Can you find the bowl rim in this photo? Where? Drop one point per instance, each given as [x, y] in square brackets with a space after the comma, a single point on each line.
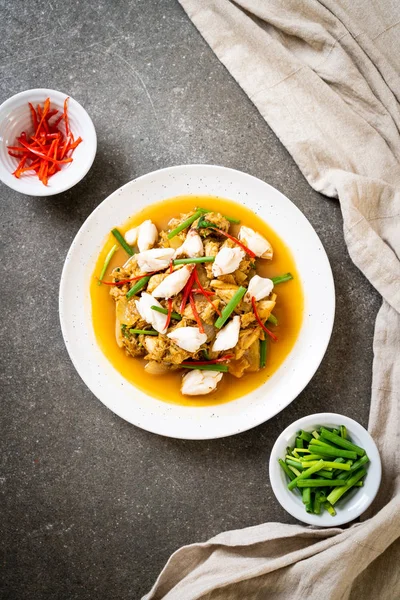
[253, 419]
[286, 499]
[91, 147]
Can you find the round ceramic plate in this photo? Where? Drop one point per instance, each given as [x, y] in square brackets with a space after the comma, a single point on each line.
[213, 421]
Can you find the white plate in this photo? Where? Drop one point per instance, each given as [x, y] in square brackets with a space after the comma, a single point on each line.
[356, 502]
[203, 422]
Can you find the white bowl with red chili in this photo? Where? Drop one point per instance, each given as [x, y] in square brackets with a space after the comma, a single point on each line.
[47, 142]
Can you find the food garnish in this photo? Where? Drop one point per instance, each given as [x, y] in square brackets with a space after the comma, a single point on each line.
[324, 466]
[106, 263]
[230, 307]
[143, 331]
[195, 313]
[212, 367]
[47, 147]
[204, 224]
[261, 324]
[272, 319]
[143, 281]
[120, 239]
[164, 311]
[281, 278]
[193, 261]
[185, 224]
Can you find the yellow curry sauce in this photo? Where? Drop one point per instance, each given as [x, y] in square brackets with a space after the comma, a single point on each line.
[288, 309]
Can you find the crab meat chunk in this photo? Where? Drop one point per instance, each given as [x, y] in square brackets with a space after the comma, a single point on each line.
[188, 338]
[259, 287]
[173, 283]
[255, 242]
[227, 261]
[131, 236]
[228, 336]
[155, 259]
[153, 317]
[192, 247]
[145, 235]
[199, 383]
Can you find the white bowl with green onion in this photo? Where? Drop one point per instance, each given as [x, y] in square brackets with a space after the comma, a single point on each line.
[325, 469]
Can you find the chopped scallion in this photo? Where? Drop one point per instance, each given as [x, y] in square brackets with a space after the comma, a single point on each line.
[190, 261]
[272, 319]
[139, 285]
[263, 353]
[120, 239]
[107, 262]
[164, 311]
[281, 278]
[230, 307]
[220, 368]
[143, 331]
[185, 224]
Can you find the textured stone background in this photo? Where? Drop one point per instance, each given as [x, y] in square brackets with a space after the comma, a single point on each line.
[92, 507]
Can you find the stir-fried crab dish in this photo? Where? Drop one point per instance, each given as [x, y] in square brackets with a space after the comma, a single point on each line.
[189, 298]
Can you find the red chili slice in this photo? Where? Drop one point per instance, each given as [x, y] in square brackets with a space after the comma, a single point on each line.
[186, 291]
[170, 303]
[231, 237]
[204, 292]
[196, 314]
[261, 324]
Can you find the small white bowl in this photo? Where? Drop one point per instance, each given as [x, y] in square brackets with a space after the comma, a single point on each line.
[356, 502]
[15, 117]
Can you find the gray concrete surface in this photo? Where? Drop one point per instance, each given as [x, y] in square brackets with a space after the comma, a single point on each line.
[92, 507]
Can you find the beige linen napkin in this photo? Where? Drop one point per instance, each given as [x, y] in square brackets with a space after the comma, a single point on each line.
[324, 76]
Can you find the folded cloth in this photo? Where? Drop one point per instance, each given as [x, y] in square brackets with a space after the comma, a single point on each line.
[324, 74]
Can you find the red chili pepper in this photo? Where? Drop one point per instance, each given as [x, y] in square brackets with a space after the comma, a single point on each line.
[171, 266]
[14, 155]
[261, 324]
[45, 158]
[31, 167]
[196, 314]
[65, 115]
[45, 173]
[20, 166]
[46, 108]
[231, 237]
[17, 149]
[186, 291]
[47, 147]
[199, 291]
[50, 152]
[38, 142]
[215, 361]
[34, 116]
[75, 143]
[51, 113]
[205, 292]
[170, 303]
[63, 150]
